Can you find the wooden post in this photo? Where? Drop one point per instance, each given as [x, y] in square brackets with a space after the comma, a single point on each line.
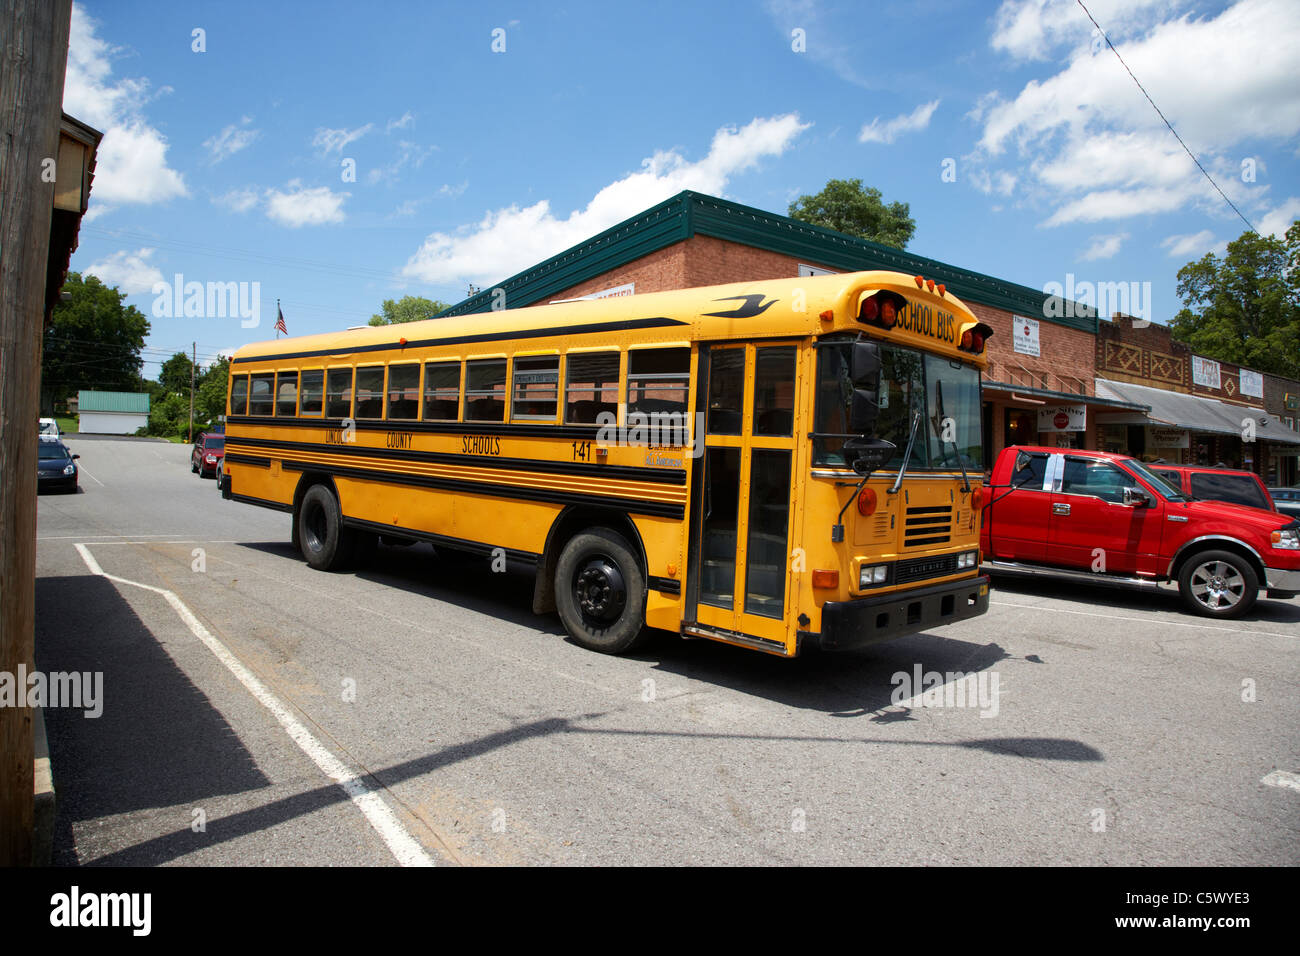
[33, 58]
[193, 359]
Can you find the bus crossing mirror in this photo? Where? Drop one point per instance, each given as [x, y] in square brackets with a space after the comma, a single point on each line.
[865, 455]
[864, 369]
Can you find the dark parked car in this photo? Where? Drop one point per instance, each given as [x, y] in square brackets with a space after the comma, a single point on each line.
[208, 451]
[1287, 500]
[1209, 483]
[57, 467]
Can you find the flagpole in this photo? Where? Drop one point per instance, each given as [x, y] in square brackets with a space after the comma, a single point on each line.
[277, 320]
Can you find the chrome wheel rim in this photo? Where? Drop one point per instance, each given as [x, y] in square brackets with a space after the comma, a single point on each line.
[1217, 585]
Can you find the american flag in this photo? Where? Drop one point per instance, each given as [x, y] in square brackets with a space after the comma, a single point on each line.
[279, 320]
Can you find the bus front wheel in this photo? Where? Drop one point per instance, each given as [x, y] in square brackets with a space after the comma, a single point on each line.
[600, 592]
[324, 541]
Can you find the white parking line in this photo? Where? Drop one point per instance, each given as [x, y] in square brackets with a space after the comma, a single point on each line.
[1140, 620]
[82, 469]
[1281, 778]
[405, 848]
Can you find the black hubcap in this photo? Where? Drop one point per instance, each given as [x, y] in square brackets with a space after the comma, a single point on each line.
[599, 589]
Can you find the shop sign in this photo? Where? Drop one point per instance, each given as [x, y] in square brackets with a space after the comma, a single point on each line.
[1024, 335]
[1252, 383]
[1205, 372]
[1168, 437]
[1063, 418]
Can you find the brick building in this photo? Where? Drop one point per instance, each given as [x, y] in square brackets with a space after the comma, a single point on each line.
[1039, 388]
[1200, 411]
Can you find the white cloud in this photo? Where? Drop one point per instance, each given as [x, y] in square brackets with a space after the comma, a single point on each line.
[1037, 29]
[1277, 221]
[238, 200]
[402, 123]
[887, 132]
[230, 140]
[831, 40]
[1191, 245]
[302, 206]
[132, 159]
[336, 140]
[1088, 141]
[129, 271]
[451, 191]
[1104, 247]
[408, 154]
[507, 240]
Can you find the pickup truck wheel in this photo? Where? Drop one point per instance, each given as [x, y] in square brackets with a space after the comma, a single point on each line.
[600, 592]
[1218, 584]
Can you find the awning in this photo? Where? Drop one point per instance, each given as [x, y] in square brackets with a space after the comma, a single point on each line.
[1192, 412]
[1041, 396]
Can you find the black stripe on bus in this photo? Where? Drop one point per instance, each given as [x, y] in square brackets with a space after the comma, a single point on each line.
[659, 322]
[660, 509]
[248, 460]
[663, 476]
[665, 585]
[262, 503]
[502, 429]
[461, 544]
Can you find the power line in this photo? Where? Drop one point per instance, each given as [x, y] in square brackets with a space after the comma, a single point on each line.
[1167, 123]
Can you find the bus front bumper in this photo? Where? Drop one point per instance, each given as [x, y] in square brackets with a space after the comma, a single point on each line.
[849, 624]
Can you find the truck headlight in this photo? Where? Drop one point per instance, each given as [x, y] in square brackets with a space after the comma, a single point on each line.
[872, 575]
[1286, 538]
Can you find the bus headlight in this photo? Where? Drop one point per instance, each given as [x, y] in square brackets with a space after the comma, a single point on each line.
[967, 559]
[872, 575]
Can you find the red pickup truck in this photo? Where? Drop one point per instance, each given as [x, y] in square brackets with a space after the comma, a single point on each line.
[1096, 516]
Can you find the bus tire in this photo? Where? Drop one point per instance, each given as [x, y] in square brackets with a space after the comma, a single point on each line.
[1218, 584]
[600, 592]
[323, 540]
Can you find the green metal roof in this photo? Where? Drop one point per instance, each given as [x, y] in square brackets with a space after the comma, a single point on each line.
[689, 213]
[134, 402]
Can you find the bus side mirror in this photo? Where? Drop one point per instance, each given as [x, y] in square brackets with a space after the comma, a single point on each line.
[864, 371]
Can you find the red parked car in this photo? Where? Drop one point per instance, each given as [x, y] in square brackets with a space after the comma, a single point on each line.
[1100, 517]
[208, 451]
[1210, 483]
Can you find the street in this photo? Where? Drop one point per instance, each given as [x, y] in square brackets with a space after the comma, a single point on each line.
[466, 730]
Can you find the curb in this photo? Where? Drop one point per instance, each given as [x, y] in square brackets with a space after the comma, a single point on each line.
[43, 809]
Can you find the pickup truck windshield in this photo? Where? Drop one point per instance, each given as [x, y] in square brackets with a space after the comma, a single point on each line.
[944, 392]
[1155, 481]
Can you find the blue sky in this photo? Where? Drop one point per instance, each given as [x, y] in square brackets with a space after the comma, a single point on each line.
[338, 154]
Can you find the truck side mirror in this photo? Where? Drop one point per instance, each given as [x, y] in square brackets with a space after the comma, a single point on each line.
[864, 371]
[1136, 498]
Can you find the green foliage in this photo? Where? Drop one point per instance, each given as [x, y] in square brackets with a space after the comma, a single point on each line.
[411, 308]
[1245, 307]
[210, 399]
[170, 416]
[845, 206]
[93, 342]
[175, 374]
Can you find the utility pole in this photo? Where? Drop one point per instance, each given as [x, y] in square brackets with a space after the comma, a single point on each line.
[33, 59]
[193, 359]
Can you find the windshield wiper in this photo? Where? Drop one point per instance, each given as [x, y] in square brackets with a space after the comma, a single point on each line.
[907, 455]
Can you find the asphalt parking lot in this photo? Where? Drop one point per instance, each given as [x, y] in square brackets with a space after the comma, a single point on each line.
[241, 689]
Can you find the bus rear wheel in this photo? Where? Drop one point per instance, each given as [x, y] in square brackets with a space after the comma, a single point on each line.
[323, 540]
[600, 592]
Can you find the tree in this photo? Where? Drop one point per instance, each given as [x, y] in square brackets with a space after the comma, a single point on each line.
[175, 374]
[411, 308]
[1245, 307]
[210, 399]
[93, 341]
[845, 206]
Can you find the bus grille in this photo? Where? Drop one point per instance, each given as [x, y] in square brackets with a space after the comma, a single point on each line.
[925, 526]
[918, 568]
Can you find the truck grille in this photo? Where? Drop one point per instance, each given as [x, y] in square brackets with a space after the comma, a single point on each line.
[924, 526]
[917, 568]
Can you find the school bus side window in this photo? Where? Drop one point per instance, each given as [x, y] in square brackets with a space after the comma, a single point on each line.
[370, 392]
[441, 391]
[403, 391]
[311, 399]
[239, 395]
[286, 394]
[537, 380]
[338, 393]
[261, 400]
[590, 387]
[485, 390]
[657, 380]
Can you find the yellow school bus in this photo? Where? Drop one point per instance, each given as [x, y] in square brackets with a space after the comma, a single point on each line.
[772, 464]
